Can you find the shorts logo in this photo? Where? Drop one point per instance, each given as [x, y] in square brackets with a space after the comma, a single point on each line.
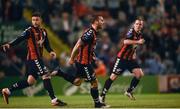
[116, 64]
[87, 73]
[45, 69]
[39, 67]
[118, 70]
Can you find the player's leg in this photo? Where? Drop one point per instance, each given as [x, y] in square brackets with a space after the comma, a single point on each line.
[107, 86]
[70, 78]
[19, 85]
[138, 73]
[45, 75]
[32, 76]
[89, 75]
[118, 69]
[94, 93]
[48, 86]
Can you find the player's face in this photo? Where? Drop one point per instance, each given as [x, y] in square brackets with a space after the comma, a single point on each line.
[138, 25]
[36, 21]
[100, 22]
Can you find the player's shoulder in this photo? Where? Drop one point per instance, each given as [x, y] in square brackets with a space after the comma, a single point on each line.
[88, 32]
[87, 35]
[44, 31]
[130, 31]
[26, 31]
[28, 28]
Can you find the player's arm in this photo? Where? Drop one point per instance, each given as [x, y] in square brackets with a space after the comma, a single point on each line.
[94, 62]
[85, 39]
[131, 42]
[94, 56]
[129, 39]
[16, 41]
[75, 51]
[48, 47]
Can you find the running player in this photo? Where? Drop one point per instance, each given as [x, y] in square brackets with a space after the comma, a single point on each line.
[126, 60]
[82, 56]
[36, 38]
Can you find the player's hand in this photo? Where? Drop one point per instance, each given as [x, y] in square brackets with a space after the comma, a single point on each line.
[71, 61]
[5, 47]
[94, 58]
[141, 41]
[53, 55]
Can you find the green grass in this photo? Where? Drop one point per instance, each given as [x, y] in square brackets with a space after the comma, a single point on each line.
[84, 101]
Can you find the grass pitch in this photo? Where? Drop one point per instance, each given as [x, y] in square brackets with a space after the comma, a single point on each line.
[85, 101]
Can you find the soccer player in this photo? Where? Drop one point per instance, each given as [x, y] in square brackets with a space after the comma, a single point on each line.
[36, 38]
[126, 60]
[73, 79]
[82, 56]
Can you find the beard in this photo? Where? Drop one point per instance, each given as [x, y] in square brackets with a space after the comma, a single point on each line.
[99, 27]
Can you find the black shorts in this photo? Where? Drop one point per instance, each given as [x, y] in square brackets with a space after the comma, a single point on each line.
[85, 71]
[36, 68]
[121, 65]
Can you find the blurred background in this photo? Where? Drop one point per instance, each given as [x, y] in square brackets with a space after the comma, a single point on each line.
[65, 20]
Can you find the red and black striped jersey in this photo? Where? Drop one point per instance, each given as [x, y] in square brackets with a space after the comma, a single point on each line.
[36, 39]
[85, 53]
[127, 51]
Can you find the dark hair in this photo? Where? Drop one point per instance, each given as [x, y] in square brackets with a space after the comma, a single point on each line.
[36, 14]
[95, 18]
[140, 18]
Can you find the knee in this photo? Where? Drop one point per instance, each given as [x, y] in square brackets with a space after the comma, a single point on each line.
[46, 76]
[31, 81]
[94, 84]
[113, 76]
[54, 73]
[139, 74]
[77, 82]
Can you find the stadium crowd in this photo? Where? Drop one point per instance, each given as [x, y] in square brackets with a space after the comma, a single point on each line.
[68, 18]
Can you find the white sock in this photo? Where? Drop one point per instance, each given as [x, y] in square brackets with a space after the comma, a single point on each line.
[54, 100]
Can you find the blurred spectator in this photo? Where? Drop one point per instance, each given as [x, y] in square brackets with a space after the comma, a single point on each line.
[54, 22]
[112, 29]
[65, 27]
[100, 70]
[12, 10]
[154, 65]
[7, 10]
[98, 5]
[17, 8]
[113, 7]
[67, 6]
[13, 66]
[131, 10]
[1, 12]
[178, 59]
[81, 9]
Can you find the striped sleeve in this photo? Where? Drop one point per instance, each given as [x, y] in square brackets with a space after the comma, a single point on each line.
[25, 35]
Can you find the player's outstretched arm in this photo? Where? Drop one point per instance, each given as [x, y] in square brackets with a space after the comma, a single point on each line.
[130, 42]
[25, 35]
[16, 41]
[5, 47]
[46, 43]
[75, 51]
[48, 47]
